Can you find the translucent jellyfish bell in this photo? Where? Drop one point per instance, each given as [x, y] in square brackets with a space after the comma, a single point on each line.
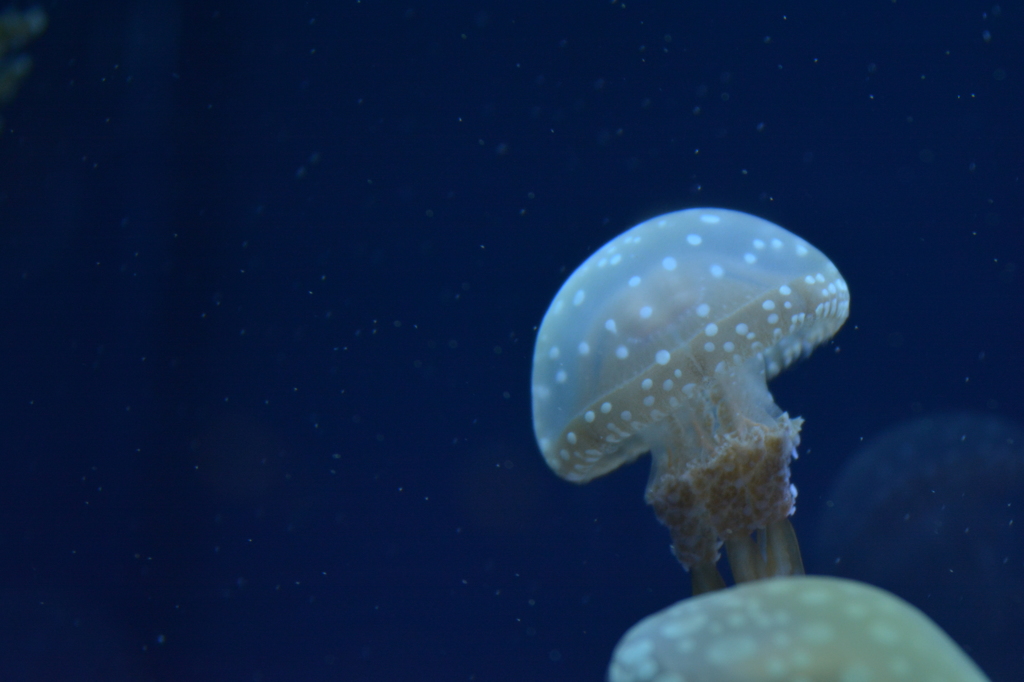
[795, 628]
[663, 341]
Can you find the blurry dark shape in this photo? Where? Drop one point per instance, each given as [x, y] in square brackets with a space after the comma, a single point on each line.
[499, 493]
[44, 637]
[17, 29]
[931, 510]
[239, 458]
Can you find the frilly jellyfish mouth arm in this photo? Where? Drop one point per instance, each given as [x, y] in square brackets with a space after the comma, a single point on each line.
[663, 341]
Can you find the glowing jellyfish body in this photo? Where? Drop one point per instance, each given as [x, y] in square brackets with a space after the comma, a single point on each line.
[663, 341]
[792, 628]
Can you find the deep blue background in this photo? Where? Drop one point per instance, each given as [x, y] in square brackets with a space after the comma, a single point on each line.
[270, 275]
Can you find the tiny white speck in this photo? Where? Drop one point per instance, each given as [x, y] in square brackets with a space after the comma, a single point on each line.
[693, 239]
[758, 244]
[553, 353]
[669, 263]
[622, 352]
[750, 258]
[741, 329]
[616, 259]
[583, 348]
[711, 329]
[634, 281]
[645, 312]
[571, 437]
[646, 384]
[561, 376]
[709, 218]
[606, 408]
[578, 298]
[589, 415]
[768, 305]
[703, 310]
[709, 347]
[662, 357]
[717, 271]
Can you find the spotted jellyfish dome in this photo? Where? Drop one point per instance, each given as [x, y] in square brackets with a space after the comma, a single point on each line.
[653, 313]
[792, 628]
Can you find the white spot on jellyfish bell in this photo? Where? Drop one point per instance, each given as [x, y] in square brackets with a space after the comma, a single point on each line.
[693, 239]
[703, 310]
[578, 298]
[634, 281]
[610, 326]
[662, 357]
[669, 263]
[717, 272]
[622, 352]
[645, 312]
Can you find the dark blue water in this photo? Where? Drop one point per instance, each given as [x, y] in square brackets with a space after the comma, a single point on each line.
[270, 275]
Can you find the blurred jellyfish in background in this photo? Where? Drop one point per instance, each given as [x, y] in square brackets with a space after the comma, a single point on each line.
[16, 30]
[931, 510]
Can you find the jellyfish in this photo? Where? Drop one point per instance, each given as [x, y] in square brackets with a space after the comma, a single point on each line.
[663, 341]
[791, 628]
[930, 509]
